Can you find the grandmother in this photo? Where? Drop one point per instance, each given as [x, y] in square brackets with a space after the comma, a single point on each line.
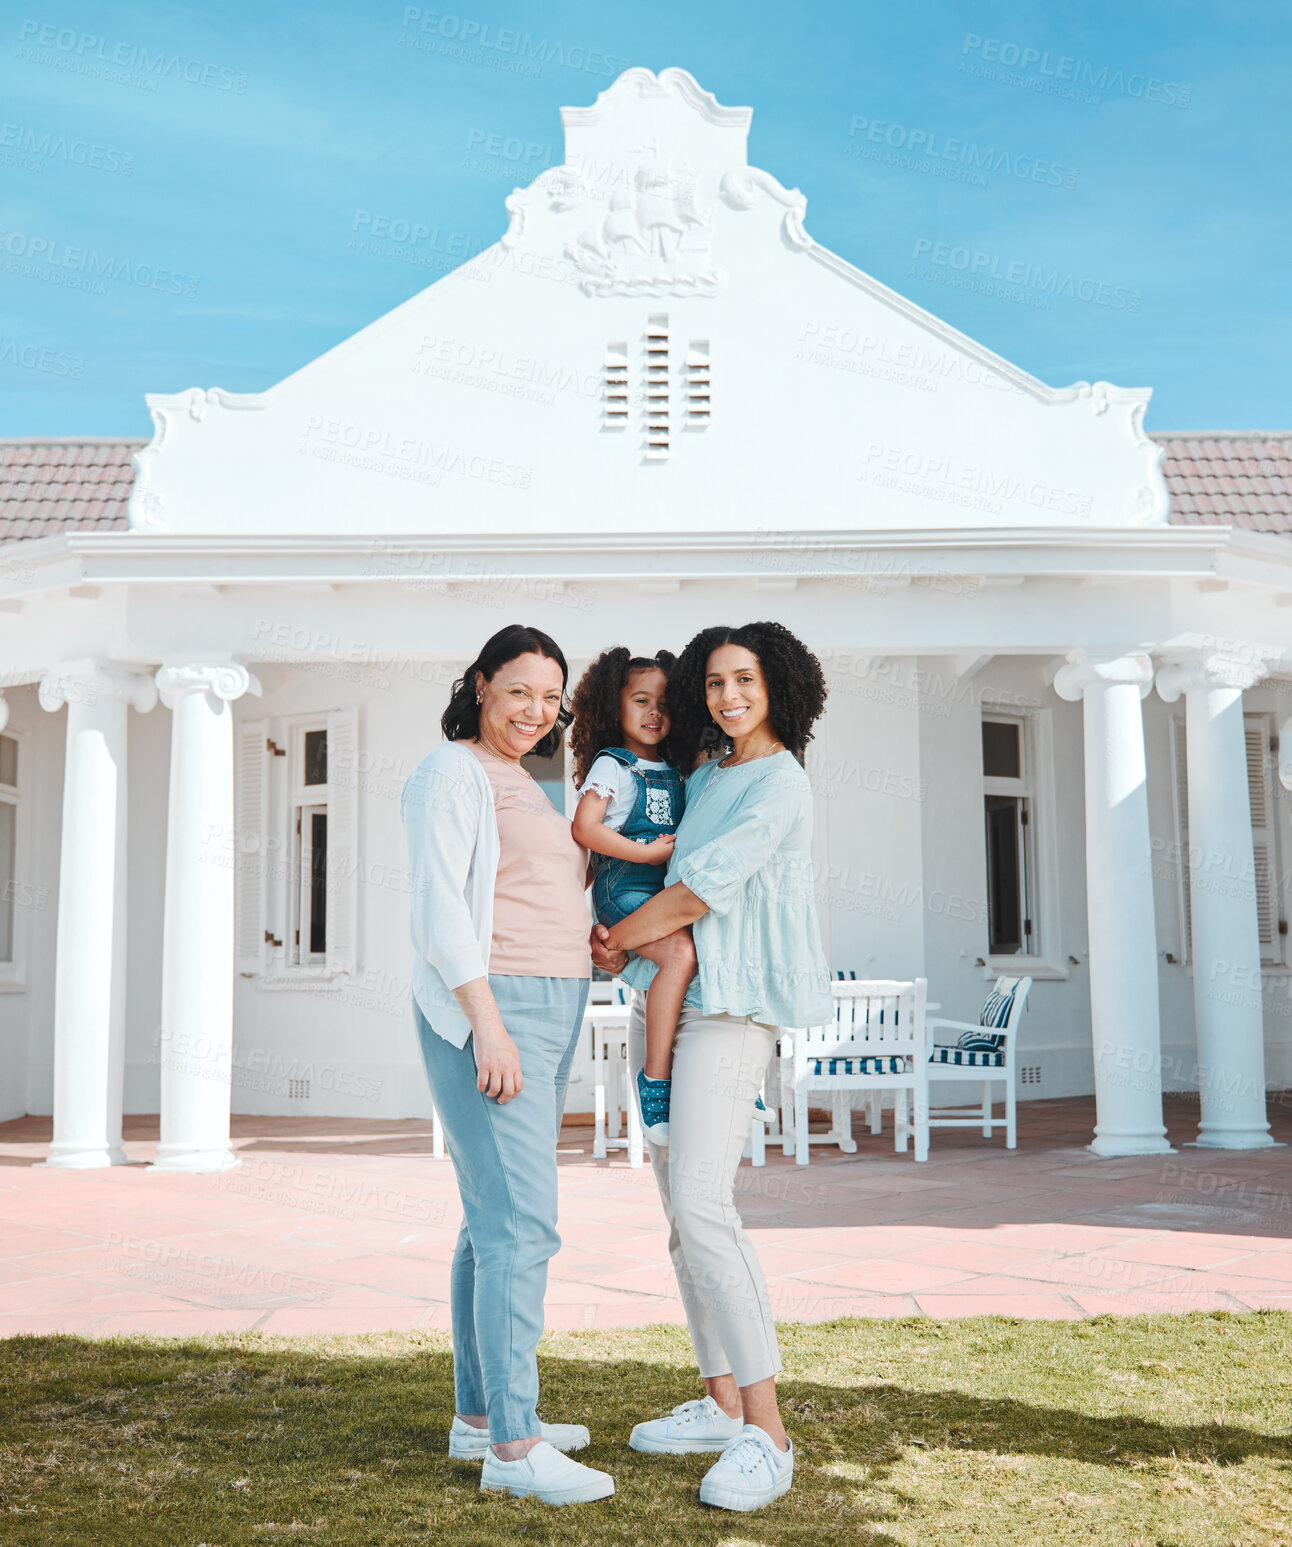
[500, 936]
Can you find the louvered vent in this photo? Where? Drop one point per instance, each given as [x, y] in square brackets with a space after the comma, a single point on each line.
[657, 388]
[614, 378]
[698, 400]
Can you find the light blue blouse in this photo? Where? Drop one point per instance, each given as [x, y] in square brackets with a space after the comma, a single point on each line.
[744, 848]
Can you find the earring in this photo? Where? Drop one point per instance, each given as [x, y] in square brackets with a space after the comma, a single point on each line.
[479, 700]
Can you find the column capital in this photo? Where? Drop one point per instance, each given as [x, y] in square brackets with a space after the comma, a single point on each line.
[1209, 669]
[1085, 669]
[224, 679]
[89, 682]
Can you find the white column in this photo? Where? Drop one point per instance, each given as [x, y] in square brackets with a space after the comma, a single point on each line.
[90, 970]
[196, 1034]
[1119, 902]
[1225, 951]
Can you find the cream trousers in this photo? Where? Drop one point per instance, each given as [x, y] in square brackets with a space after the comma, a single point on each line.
[719, 1062]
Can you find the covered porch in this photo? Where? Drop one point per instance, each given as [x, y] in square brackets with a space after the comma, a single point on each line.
[1127, 666]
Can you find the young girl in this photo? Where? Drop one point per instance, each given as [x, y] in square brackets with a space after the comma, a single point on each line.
[630, 804]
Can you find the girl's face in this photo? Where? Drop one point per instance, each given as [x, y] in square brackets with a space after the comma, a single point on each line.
[735, 692]
[519, 704]
[642, 715]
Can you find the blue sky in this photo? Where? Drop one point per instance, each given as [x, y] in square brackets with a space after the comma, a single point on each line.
[1132, 223]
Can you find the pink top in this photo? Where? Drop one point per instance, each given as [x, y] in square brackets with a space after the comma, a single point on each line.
[540, 915]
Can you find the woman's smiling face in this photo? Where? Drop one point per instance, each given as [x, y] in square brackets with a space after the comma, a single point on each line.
[735, 691]
[519, 704]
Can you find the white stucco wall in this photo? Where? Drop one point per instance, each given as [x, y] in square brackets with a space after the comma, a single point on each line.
[900, 863]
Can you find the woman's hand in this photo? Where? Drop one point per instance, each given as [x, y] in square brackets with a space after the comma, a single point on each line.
[659, 850]
[497, 1060]
[612, 962]
[497, 1064]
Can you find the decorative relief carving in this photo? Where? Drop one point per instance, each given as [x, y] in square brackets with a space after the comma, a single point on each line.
[741, 189]
[649, 235]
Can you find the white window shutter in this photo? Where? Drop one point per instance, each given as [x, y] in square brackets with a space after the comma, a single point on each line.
[251, 824]
[1261, 793]
[1180, 787]
[342, 840]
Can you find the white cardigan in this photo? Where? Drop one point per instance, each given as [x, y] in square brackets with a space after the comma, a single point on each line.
[452, 834]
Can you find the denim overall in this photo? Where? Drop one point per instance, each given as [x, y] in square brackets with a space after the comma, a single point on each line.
[620, 886]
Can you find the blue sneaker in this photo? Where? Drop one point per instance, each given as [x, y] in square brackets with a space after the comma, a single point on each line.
[653, 1098]
[759, 1107]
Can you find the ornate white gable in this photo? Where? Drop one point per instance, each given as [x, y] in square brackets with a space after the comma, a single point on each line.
[654, 345]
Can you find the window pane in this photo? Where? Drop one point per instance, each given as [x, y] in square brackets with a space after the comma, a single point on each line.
[316, 757]
[9, 761]
[1000, 750]
[7, 878]
[318, 881]
[1004, 876]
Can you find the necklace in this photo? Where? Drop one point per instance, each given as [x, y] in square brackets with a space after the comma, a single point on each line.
[776, 747]
[499, 758]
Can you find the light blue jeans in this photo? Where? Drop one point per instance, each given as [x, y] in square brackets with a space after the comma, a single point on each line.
[505, 1159]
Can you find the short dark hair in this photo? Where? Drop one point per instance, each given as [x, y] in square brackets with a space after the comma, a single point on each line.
[462, 717]
[795, 690]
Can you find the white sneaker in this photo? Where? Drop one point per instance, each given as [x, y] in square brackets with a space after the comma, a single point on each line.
[545, 1474]
[693, 1426]
[749, 1473]
[467, 1443]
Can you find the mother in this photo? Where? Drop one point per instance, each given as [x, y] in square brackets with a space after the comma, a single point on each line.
[500, 979]
[741, 874]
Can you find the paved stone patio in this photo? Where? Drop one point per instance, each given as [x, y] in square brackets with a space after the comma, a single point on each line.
[348, 1226]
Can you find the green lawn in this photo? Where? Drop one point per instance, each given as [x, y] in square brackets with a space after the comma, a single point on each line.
[1152, 1431]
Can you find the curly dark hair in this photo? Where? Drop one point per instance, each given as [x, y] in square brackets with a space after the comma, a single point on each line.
[461, 720]
[596, 704]
[796, 691]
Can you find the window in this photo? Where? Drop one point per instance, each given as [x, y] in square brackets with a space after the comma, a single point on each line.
[8, 846]
[1007, 811]
[297, 798]
[308, 770]
[1261, 793]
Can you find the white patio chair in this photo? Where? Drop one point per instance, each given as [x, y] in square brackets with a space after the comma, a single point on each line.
[876, 1042]
[983, 1053]
[767, 1129]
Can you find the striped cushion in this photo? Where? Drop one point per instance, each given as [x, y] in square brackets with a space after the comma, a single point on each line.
[968, 1057]
[894, 1064]
[996, 1012]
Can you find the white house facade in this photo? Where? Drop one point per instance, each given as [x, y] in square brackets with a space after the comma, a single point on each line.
[1060, 674]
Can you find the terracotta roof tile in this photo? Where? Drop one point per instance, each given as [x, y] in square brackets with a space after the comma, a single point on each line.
[1239, 479]
[49, 486]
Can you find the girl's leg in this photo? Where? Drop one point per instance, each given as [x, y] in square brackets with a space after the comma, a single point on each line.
[674, 955]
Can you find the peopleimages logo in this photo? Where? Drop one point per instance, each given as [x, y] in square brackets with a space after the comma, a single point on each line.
[1063, 75]
[89, 52]
[1031, 276]
[466, 33]
[961, 152]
